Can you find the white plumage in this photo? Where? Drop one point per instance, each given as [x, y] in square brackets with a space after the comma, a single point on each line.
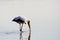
[22, 20]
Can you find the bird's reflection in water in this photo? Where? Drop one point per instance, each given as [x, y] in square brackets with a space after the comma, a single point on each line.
[28, 36]
[21, 38]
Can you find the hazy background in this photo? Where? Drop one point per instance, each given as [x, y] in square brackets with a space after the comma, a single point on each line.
[44, 16]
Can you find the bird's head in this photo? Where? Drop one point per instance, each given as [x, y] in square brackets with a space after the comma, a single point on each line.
[14, 20]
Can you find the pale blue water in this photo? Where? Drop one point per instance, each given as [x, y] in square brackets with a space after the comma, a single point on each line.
[35, 35]
[13, 35]
[9, 35]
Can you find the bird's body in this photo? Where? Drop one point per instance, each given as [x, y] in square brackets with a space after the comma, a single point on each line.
[22, 20]
[19, 19]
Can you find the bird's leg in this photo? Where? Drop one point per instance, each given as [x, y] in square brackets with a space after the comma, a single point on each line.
[29, 25]
[21, 27]
[29, 36]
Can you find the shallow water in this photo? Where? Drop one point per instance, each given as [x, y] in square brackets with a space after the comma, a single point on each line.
[15, 35]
